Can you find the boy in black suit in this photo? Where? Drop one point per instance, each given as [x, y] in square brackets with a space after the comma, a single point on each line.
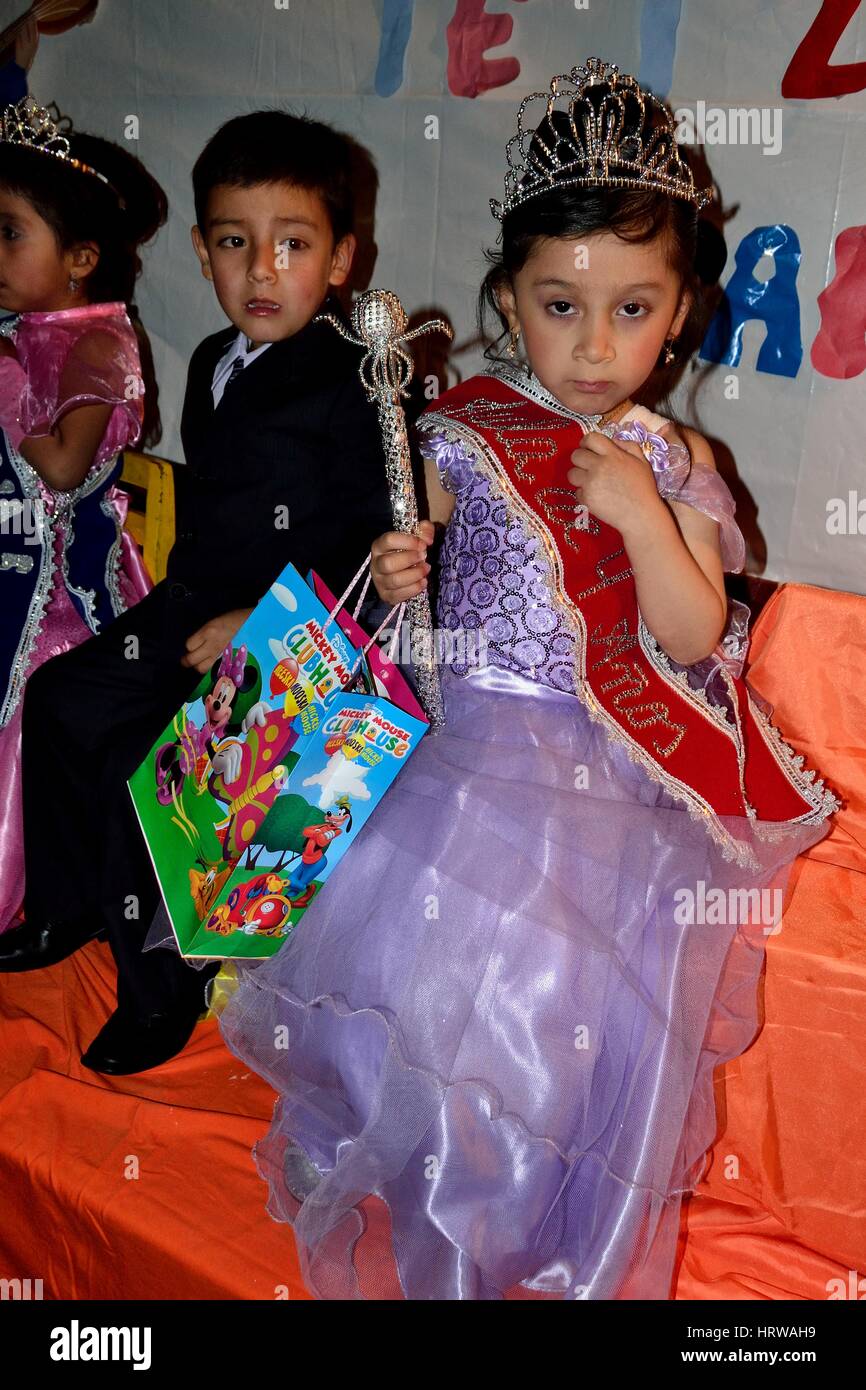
[284, 461]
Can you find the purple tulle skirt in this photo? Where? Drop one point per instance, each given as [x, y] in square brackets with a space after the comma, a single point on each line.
[494, 1020]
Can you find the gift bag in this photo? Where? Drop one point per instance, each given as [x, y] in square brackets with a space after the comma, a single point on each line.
[253, 794]
[378, 673]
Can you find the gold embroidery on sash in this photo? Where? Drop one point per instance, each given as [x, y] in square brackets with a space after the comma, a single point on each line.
[564, 512]
[504, 419]
[658, 713]
[619, 639]
[606, 579]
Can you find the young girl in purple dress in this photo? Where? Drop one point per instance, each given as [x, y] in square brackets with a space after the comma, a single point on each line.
[74, 209]
[501, 1018]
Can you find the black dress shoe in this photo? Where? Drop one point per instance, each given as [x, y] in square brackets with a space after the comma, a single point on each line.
[128, 1044]
[35, 944]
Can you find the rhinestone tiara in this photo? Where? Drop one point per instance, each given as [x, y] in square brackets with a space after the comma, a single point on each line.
[32, 126]
[599, 128]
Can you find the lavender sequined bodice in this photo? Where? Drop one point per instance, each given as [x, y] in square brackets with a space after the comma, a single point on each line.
[492, 581]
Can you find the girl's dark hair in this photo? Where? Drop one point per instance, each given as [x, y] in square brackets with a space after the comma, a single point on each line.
[80, 208]
[636, 215]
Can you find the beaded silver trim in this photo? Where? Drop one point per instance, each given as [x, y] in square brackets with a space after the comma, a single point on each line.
[87, 596]
[531, 387]
[741, 742]
[22, 564]
[113, 562]
[61, 515]
[665, 667]
[823, 801]
[28, 478]
[64, 513]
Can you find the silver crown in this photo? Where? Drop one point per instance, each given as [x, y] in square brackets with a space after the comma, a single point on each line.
[32, 126]
[621, 137]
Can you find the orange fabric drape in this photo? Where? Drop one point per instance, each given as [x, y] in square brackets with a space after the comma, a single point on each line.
[781, 1211]
[143, 1187]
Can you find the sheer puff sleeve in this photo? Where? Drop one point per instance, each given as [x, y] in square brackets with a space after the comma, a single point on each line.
[67, 358]
[680, 480]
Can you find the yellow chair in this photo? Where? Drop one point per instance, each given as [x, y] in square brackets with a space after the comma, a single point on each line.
[151, 527]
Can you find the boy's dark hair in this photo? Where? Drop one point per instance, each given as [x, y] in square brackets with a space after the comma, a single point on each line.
[79, 207]
[636, 215]
[275, 147]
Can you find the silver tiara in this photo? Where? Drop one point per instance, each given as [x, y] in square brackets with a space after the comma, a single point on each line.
[32, 126]
[620, 137]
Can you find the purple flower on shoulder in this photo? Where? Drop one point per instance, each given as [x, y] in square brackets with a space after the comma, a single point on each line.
[455, 468]
[670, 463]
[654, 446]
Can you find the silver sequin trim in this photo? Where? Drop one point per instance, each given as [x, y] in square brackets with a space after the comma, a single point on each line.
[29, 481]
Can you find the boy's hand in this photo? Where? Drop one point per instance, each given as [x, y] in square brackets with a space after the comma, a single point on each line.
[399, 566]
[203, 647]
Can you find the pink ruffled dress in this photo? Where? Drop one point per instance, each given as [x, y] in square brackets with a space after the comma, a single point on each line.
[66, 564]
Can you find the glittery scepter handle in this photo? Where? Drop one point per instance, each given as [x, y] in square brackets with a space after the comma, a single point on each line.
[380, 322]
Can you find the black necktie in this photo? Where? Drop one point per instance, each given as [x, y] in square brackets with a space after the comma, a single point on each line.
[237, 368]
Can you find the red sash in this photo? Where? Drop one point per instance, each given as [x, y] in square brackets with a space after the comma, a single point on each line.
[717, 763]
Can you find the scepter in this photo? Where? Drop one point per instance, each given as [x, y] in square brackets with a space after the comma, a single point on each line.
[380, 321]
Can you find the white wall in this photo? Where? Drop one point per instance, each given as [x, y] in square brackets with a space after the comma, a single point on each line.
[184, 66]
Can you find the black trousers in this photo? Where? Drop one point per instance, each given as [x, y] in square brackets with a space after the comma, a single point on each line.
[89, 718]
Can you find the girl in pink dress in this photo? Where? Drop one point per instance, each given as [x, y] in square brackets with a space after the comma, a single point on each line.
[74, 210]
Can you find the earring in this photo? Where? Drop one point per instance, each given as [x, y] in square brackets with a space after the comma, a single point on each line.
[512, 346]
[669, 351]
[73, 285]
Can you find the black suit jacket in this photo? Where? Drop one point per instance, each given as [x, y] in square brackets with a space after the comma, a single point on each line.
[294, 440]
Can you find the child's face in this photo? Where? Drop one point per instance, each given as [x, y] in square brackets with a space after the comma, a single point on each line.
[270, 254]
[596, 311]
[34, 272]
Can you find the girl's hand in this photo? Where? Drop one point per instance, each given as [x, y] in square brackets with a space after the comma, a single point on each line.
[204, 646]
[399, 566]
[614, 481]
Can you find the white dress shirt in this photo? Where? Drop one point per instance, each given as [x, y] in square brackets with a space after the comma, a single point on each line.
[235, 350]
